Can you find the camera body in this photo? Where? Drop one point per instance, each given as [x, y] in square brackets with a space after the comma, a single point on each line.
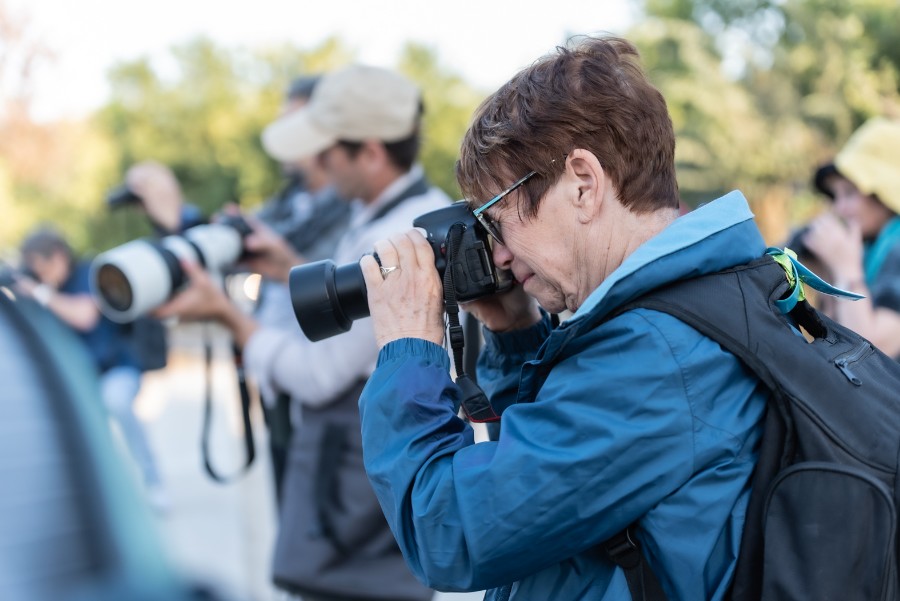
[132, 279]
[327, 298]
[122, 196]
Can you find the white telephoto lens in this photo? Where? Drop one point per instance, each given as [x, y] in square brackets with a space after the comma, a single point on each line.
[139, 276]
[219, 245]
[130, 280]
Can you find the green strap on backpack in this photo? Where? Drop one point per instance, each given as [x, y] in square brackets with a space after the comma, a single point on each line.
[797, 274]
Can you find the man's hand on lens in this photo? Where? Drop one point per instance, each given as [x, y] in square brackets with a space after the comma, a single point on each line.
[159, 192]
[204, 299]
[268, 253]
[201, 299]
[839, 246]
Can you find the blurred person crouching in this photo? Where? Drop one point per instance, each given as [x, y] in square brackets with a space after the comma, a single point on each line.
[56, 280]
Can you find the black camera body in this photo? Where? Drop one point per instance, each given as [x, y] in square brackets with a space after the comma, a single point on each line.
[327, 298]
[122, 196]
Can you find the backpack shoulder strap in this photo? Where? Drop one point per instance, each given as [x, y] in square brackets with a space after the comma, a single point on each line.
[722, 305]
[624, 550]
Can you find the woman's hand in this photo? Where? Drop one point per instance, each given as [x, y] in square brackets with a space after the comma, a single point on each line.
[408, 301]
[510, 310]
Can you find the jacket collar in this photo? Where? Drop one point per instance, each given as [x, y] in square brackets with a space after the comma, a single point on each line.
[713, 237]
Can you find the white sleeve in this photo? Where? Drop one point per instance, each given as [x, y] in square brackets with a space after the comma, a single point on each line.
[283, 359]
[313, 373]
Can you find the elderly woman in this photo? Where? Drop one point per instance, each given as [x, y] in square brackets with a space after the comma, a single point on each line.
[637, 419]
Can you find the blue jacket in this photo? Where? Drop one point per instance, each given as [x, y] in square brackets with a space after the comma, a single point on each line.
[639, 418]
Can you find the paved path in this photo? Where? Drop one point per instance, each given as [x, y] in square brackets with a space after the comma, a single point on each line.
[220, 535]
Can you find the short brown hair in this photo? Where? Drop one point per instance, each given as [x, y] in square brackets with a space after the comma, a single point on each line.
[45, 241]
[592, 95]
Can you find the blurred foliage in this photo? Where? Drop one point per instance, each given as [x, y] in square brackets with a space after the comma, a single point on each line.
[449, 104]
[760, 92]
[763, 91]
[203, 119]
[201, 114]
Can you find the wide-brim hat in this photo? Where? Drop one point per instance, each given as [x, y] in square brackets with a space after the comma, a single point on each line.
[871, 160]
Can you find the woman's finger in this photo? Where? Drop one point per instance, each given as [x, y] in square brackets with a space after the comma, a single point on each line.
[387, 254]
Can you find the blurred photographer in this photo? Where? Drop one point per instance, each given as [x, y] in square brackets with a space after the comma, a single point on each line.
[605, 421]
[362, 124]
[61, 285]
[307, 212]
[858, 240]
[309, 216]
[153, 188]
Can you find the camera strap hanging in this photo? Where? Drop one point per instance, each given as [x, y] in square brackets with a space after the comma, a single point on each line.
[249, 446]
[475, 403]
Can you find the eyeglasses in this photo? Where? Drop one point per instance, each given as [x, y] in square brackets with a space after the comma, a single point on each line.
[491, 226]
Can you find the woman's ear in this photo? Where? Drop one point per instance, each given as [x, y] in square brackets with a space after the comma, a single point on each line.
[589, 181]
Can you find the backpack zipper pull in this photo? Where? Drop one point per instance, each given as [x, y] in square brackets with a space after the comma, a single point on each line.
[843, 363]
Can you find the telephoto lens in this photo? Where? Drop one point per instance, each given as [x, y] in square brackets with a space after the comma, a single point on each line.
[132, 279]
[327, 298]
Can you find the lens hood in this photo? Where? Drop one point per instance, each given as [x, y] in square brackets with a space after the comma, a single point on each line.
[326, 298]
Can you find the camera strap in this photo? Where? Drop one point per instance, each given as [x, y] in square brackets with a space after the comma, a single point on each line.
[475, 403]
[249, 446]
[417, 188]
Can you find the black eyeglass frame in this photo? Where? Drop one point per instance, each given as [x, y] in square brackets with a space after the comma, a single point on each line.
[489, 225]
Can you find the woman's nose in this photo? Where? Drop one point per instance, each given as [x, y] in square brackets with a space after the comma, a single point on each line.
[502, 257]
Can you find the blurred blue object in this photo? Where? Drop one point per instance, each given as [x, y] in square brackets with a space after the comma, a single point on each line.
[72, 524]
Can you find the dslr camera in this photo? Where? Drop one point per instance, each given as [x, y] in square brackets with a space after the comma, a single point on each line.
[132, 279]
[327, 298]
[122, 196]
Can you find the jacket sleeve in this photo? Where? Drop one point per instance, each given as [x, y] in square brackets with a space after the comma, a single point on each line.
[501, 360]
[608, 435]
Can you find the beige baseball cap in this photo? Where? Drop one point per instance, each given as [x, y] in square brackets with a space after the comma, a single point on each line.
[353, 104]
[871, 160]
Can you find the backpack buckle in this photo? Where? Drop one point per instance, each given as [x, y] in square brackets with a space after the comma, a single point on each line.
[623, 550]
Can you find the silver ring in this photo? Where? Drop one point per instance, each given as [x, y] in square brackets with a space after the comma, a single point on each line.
[386, 270]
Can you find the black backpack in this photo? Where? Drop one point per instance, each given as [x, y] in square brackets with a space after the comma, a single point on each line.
[822, 517]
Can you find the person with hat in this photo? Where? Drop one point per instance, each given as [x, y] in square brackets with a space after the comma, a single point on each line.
[305, 218]
[858, 240]
[362, 124]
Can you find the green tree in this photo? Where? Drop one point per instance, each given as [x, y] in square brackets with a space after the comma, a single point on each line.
[808, 71]
[449, 104]
[205, 121]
